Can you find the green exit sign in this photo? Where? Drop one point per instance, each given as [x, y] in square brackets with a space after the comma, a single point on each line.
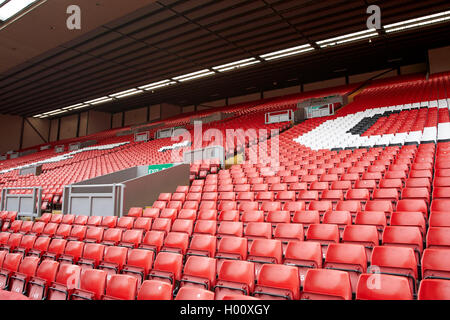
[158, 167]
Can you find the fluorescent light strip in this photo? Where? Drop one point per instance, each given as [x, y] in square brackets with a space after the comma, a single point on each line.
[59, 112]
[197, 76]
[280, 52]
[289, 54]
[122, 92]
[160, 86]
[154, 84]
[96, 100]
[239, 66]
[101, 101]
[12, 7]
[350, 35]
[80, 107]
[374, 34]
[189, 75]
[415, 25]
[436, 15]
[129, 94]
[233, 63]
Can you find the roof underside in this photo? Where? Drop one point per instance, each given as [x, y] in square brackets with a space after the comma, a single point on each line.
[169, 38]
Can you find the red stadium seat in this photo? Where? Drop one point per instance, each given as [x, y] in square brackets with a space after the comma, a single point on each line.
[435, 264]
[235, 277]
[304, 256]
[155, 290]
[383, 287]
[277, 282]
[322, 284]
[433, 289]
[92, 285]
[324, 234]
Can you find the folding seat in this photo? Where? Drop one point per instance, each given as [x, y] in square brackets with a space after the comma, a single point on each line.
[434, 289]
[324, 234]
[143, 223]
[265, 251]
[421, 174]
[409, 237]
[40, 246]
[440, 193]
[273, 180]
[353, 206]
[206, 227]
[414, 206]
[45, 275]
[189, 293]
[111, 236]
[68, 219]
[350, 177]
[332, 195]
[151, 213]
[341, 185]
[390, 194]
[340, 218]
[244, 196]
[416, 194]
[264, 196]
[438, 205]
[153, 241]
[63, 231]
[286, 196]
[323, 284]
[227, 201]
[187, 214]
[27, 269]
[198, 183]
[81, 220]
[307, 195]
[95, 221]
[318, 186]
[44, 218]
[277, 282]
[139, 263]
[229, 215]
[288, 232]
[380, 206]
[230, 228]
[298, 186]
[439, 219]
[438, 238]
[155, 290]
[207, 214]
[13, 242]
[131, 238]
[330, 177]
[38, 228]
[135, 212]
[270, 206]
[176, 242]
[162, 224]
[303, 256]
[358, 194]
[67, 279]
[50, 229]
[347, 257]
[242, 188]
[228, 187]
[94, 234]
[92, 285]
[26, 227]
[371, 176]
[252, 216]
[209, 188]
[11, 263]
[168, 213]
[293, 206]
[306, 218]
[177, 205]
[435, 264]
[121, 287]
[72, 252]
[4, 237]
[258, 230]
[179, 196]
[162, 204]
[356, 169]
[202, 245]
[92, 255]
[419, 183]
[15, 226]
[77, 233]
[55, 249]
[439, 181]
[248, 206]
[409, 219]
[276, 217]
[383, 287]
[320, 205]
[181, 225]
[26, 243]
[114, 259]
[397, 261]
[231, 248]
[167, 267]
[235, 277]
[199, 272]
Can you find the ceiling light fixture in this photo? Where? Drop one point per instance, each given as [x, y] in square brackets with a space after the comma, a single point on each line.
[355, 36]
[13, 7]
[194, 75]
[286, 52]
[418, 22]
[236, 65]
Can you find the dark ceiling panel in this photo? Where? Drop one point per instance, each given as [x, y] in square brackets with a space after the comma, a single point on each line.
[169, 38]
